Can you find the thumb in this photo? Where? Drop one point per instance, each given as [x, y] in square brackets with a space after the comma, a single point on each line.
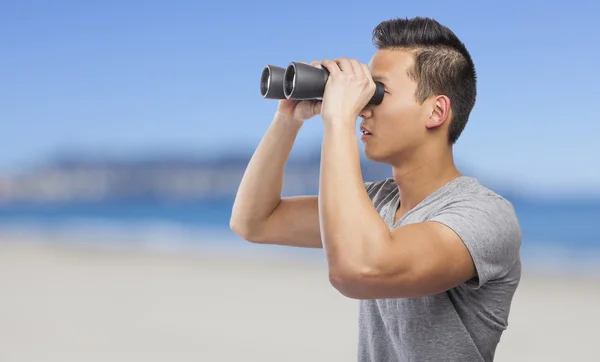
[316, 107]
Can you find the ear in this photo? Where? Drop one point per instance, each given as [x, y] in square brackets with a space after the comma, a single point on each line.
[440, 111]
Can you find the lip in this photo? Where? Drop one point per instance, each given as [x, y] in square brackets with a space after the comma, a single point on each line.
[365, 136]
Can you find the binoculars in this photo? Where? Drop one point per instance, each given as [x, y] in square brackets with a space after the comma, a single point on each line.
[301, 81]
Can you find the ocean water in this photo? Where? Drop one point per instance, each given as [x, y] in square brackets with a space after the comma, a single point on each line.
[212, 213]
[551, 229]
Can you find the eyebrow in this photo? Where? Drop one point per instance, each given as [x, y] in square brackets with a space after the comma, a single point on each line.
[381, 78]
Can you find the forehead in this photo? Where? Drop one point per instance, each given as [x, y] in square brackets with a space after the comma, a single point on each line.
[392, 64]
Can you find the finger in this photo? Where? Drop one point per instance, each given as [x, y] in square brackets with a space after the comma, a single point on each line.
[316, 63]
[344, 65]
[331, 66]
[357, 67]
[367, 71]
[316, 107]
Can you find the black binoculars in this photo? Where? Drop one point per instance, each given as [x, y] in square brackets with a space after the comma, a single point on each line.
[301, 81]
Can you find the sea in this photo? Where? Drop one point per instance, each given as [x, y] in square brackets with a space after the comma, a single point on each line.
[564, 232]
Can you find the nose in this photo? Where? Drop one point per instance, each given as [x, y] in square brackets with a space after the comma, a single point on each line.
[367, 112]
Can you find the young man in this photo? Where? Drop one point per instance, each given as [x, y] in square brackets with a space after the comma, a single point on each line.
[432, 255]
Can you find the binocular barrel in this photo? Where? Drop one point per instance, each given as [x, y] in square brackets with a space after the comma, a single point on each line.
[301, 81]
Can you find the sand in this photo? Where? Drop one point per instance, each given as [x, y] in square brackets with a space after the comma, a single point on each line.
[64, 302]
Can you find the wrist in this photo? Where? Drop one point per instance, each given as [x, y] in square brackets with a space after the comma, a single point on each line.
[340, 122]
[286, 125]
[287, 120]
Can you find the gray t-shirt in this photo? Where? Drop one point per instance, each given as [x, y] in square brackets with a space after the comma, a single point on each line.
[464, 323]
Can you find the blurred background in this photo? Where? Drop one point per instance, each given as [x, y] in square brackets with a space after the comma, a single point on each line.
[126, 128]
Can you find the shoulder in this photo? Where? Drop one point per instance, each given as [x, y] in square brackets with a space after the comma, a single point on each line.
[474, 201]
[487, 224]
[467, 190]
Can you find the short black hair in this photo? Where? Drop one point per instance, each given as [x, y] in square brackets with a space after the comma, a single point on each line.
[442, 66]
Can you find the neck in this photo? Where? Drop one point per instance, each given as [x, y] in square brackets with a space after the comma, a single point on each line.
[419, 176]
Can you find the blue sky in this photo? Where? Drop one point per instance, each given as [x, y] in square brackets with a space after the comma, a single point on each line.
[130, 78]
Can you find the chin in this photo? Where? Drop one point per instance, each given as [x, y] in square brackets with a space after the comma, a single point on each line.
[386, 156]
[372, 155]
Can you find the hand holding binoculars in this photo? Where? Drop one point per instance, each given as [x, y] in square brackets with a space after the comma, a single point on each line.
[301, 81]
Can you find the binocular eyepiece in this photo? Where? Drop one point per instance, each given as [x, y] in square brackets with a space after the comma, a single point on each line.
[301, 81]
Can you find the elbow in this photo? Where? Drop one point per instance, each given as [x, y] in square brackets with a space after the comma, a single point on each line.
[237, 228]
[241, 229]
[356, 275]
[245, 230]
[369, 282]
[354, 283]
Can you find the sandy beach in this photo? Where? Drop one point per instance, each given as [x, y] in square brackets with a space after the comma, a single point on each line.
[64, 302]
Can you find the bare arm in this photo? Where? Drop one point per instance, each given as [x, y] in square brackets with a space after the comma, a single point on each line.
[259, 213]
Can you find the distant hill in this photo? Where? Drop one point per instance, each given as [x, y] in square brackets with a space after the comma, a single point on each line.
[83, 178]
[76, 177]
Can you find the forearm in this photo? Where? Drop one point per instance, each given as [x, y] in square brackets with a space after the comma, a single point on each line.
[353, 233]
[260, 189]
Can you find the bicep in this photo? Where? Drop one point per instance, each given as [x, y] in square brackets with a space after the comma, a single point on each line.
[295, 222]
[423, 259]
[471, 241]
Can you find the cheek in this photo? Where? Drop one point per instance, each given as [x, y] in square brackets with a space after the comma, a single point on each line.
[396, 116]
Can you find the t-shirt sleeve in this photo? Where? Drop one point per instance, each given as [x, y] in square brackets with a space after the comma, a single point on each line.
[370, 186]
[378, 190]
[489, 228]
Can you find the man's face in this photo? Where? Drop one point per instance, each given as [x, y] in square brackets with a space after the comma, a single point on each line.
[398, 124]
